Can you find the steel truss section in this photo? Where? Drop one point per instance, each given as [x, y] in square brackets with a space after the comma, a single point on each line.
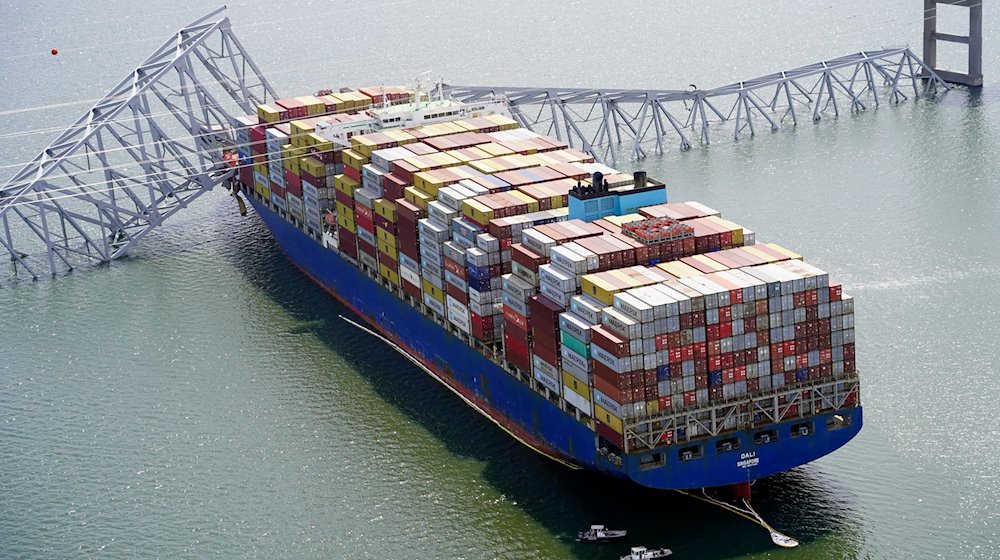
[604, 122]
[145, 151]
[743, 413]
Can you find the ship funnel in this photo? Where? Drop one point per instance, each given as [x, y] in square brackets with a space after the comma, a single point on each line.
[597, 180]
[639, 179]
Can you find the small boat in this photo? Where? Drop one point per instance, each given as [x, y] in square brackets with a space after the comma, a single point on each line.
[599, 533]
[643, 553]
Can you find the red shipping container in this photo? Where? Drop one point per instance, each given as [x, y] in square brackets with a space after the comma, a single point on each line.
[836, 291]
[849, 366]
[608, 388]
[343, 198]
[412, 289]
[367, 249]
[849, 351]
[753, 385]
[610, 435]
[546, 339]
[701, 381]
[740, 373]
[544, 310]
[526, 257]
[277, 190]
[515, 318]
[517, 356]
[364, 222]
[801, 360]
[454, 268]
[608, 341]
[712, 332]
[608, 377]
[456, 293]
[352, 173]
[545, 352]
[727, 360]
[666, 402]
[700, 350]
[384, 223]
[687, 352]
[690, 398]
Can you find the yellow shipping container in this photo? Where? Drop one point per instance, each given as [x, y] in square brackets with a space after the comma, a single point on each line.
[417, 197]
[386, 208]
[292, 157]
[735, 229]
[268, 114]
[578, 387]
[714, 265]
[433, 291]
[314, 167]
[363, 145]
[652, 407]
[505, 123]
[679, 269]
[388, 249]
[300, 127]
[261, 168]
[320, 144]
[337, 103]
[531, 202]
[345, 221]
[354, 160]
[790, 254]
[313, 104]
[386, 235]
[598, 286]
[388, 273]
[400, 136]
[625, 219]
[761, 254]
[476, 211]
[605, 417]
[345, 210]
[495, 150]
[345, 184]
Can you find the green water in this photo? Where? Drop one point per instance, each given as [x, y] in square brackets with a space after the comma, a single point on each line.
[202, 399]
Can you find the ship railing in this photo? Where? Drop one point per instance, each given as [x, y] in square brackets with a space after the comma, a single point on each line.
[747, 412]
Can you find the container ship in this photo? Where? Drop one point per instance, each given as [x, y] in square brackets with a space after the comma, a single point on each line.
[575, 306]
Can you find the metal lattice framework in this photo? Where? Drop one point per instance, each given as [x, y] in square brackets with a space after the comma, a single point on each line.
[142, 153]
[602, 121]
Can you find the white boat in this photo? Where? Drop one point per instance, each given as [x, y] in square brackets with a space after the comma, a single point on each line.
[643, 553]
[599, 533]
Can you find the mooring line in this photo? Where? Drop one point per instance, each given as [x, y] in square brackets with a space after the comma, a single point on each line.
[778, 538]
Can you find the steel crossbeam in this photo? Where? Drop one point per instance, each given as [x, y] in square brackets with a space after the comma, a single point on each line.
[607, 122]
[143, 152]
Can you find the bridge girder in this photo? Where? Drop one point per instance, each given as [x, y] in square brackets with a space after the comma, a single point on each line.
[602, 121]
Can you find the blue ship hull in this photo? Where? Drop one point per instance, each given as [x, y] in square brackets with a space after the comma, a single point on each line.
[525, 414]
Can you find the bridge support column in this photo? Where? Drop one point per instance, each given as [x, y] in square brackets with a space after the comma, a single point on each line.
[974, 40]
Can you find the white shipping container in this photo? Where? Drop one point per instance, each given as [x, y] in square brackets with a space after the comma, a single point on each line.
[587, 308]
[430, 269]
[574, 370]
[517, 287]
[434, 304]
[578, 401]
[537, 241]
[518, 306]
[527, 274]
[409, 275]
[477, 258]
[440, 213]
[432, 230]
[557, 278]
[559, 297]
[607, 403]
[487, 242]
[575, 326]
[633, 307]
[571, 357]
[570, 262]
[618, 365]
[541, 365]
[366, 236]
[552, 384]
[621, 324]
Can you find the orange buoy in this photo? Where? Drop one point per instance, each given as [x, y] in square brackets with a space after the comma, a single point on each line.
[55, 52]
